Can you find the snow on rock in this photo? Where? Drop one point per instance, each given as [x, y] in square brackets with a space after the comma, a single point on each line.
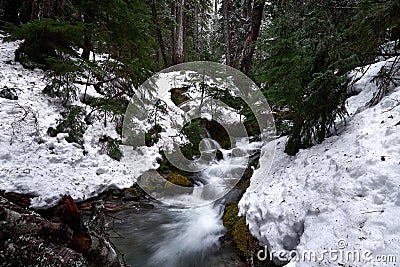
[341, 196]
[156, 91]
[49, 167]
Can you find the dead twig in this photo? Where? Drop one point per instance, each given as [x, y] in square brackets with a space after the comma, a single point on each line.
[28, 118]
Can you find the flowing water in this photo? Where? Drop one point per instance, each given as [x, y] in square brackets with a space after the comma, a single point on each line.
[168, 236]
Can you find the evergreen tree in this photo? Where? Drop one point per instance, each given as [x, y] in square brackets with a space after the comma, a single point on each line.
[306, 49]
[310, 47]
[45, 39]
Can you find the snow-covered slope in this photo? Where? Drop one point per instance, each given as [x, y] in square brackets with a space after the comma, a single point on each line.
[338, 203]
[49, 167]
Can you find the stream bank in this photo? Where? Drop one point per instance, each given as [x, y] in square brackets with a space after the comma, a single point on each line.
[141, 230]
[136, 224]
[146, 232]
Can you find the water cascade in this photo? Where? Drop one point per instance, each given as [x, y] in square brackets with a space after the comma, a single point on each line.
[168, 236]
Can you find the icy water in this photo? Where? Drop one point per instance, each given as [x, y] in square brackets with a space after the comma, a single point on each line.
[183, 237]
[174, 237]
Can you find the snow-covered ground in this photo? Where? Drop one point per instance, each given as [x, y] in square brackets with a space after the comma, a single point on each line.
[49, 167]
[338, 203]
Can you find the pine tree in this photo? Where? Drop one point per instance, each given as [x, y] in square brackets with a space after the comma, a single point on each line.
[305, 52]
[45, 39]
[310, 47]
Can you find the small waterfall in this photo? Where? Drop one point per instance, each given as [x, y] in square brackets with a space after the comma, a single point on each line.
[188, 237]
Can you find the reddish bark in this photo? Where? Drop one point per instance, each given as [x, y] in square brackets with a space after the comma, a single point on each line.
[248, 49]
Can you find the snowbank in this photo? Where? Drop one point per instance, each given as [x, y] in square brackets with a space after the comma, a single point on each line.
[49, 167]
[337, 203]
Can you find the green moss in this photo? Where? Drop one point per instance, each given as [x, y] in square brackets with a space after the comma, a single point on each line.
[237, 228]
[179, 179]
[238, 232]
[177, 95]
[110, 146]
[132, 191]
[72, 122]
[163, 168]
[244, 241]
[230, 216]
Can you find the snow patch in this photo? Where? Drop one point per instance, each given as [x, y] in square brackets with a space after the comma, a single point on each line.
[49, 167]
[346, 189]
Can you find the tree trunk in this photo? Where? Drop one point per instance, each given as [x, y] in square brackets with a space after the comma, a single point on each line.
[159, 35]
[247, 9]
[173, 31]
[43, 9]
[179, 51]
[294, 142]
[88, 47]
[226, 6]
[196, 29]
[248, 49]
[395, 33]
[186, 26]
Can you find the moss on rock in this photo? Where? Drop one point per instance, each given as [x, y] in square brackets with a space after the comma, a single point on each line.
[245, 243]
[237, 229]
[179, 179]
[178, 95]
[230, 216]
